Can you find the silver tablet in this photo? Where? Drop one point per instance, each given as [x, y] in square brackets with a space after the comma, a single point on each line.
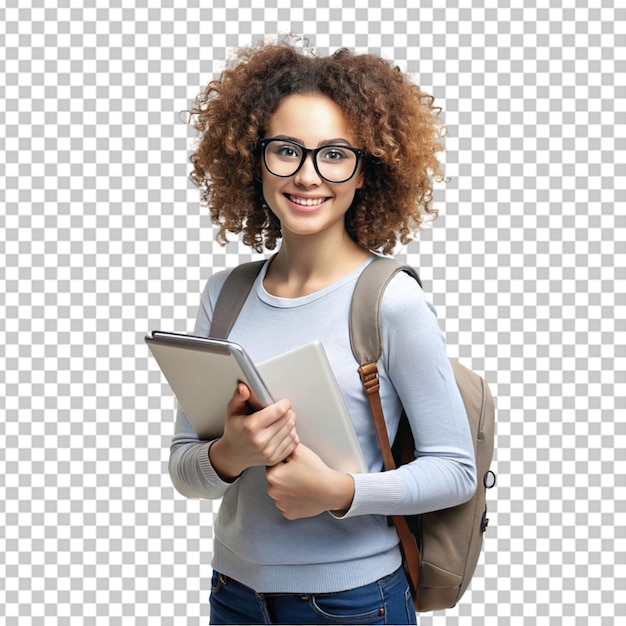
[203, 374]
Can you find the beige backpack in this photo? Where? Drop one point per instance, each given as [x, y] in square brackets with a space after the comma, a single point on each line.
[440, 549]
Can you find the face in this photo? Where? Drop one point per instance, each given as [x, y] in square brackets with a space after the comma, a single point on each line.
[305, 203]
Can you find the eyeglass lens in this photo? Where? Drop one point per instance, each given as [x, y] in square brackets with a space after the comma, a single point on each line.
[334, 163]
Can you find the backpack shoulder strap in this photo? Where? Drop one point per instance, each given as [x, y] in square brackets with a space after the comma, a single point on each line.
[365, 337]
[366, 341]
[232, 297]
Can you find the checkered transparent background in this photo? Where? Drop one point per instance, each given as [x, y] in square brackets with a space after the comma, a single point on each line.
[103, 240]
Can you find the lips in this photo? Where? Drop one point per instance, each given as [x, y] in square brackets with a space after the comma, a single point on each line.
[304, 201]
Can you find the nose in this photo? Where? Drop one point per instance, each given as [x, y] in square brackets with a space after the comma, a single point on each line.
[307, 175]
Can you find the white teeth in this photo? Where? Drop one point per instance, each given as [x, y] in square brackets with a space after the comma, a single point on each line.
[307, 201]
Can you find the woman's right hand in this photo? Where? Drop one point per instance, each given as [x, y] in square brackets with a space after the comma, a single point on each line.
[262, 438]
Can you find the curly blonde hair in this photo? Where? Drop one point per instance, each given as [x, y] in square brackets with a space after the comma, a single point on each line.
[394, 121]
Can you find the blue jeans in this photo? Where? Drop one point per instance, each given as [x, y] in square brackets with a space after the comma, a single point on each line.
[386, 601]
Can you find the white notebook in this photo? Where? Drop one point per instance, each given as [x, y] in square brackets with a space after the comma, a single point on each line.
[323, 423]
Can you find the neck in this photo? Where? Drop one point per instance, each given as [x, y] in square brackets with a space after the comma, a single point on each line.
[303, 265]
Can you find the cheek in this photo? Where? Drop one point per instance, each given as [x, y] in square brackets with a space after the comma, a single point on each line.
[267, 186]
[269, 190]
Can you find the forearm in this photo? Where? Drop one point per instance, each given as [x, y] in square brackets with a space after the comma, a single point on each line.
[190, 467]
[428, 484]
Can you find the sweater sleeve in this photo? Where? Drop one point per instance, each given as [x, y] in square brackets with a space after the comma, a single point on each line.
[190, 468]
[415, 364]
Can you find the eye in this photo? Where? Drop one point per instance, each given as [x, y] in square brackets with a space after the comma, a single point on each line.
[286, 150]
[334, 153]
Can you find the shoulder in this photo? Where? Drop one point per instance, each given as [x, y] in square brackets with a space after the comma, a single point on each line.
[404, 296]
[247, 274]
[211, 290]
[409, 326]
[208, 298]
[214, 284]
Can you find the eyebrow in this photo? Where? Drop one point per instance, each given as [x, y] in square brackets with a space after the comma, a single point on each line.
[326, 142]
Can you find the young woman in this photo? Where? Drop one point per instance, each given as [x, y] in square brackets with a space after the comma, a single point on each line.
[335, 157]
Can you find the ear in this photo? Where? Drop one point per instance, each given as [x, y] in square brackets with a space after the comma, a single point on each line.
[360, 180]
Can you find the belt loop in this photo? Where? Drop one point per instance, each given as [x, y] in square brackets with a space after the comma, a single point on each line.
[267, 607]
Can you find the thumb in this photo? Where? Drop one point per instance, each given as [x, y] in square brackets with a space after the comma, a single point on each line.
[238, 403]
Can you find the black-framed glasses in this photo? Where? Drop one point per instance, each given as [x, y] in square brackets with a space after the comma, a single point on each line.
[335, 163]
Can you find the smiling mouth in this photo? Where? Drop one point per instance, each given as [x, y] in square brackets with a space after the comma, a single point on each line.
[308, 202]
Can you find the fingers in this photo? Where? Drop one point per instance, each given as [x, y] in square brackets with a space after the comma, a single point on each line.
[272, 419]
[285, 442]
[273, 433]
[305, 486]
[264, 437]
[263, 418]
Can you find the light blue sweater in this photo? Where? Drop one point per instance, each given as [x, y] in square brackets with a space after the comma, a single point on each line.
[254, 543]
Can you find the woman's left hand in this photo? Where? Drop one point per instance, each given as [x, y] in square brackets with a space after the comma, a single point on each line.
[304, 486]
